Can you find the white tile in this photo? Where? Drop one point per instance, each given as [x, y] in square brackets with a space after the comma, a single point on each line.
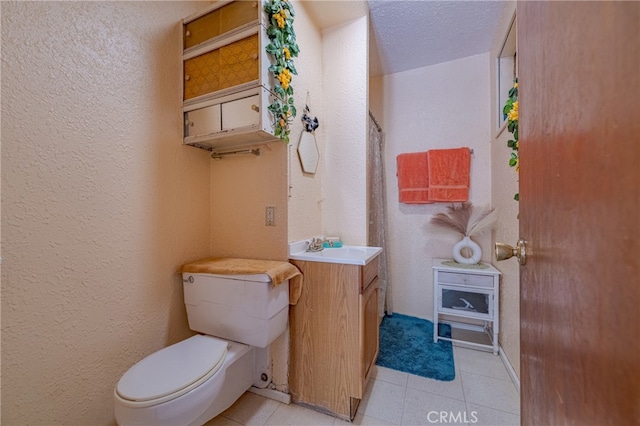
[490, 392]
[452, 389]
[296, 415]
[479, 362]
[251, 409]
[423, 408]
[388, 375]
[485, 416]
[384, 401]
[222, 421]
[362, 420]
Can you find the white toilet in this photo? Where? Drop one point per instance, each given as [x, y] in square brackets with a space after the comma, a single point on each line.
[192, 381]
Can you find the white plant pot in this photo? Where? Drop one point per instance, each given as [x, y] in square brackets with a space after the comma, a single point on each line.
[476, 251]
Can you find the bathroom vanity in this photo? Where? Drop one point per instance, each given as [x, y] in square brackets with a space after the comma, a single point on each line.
[334, 333]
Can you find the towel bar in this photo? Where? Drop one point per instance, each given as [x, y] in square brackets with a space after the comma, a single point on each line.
[219, 155]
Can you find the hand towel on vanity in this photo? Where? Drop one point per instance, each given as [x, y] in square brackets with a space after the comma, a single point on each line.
[449, 171]
[413, 178]
[278, 271]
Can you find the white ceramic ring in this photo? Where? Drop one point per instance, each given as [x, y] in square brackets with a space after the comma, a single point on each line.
[476, 251]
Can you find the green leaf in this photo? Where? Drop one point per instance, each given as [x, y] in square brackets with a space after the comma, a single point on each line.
[271, 49]
[517, 197]
[272, 30]
[294, 112]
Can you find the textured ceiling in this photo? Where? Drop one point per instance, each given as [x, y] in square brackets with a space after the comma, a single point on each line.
[414, 34]
[411, 34]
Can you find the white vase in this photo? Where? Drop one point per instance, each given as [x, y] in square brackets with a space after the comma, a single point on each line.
[476, 251]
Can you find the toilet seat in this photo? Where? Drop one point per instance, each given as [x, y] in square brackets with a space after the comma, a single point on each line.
[172, 371]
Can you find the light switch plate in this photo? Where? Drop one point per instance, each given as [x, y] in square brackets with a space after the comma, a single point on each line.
[270, 216]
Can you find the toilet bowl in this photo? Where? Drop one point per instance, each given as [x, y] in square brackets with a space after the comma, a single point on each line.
[192, 381]
[177, 386]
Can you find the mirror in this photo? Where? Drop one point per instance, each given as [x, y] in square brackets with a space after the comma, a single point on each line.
[308, 152]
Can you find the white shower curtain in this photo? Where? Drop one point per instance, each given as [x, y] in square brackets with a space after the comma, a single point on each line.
[378, 211]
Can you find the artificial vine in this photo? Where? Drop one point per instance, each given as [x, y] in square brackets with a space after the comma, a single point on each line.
[510, 110]
[282, 48]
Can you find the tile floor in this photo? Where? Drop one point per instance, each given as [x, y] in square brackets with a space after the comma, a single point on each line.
[481, 394]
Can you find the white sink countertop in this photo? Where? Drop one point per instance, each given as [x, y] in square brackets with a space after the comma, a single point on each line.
[349, 255]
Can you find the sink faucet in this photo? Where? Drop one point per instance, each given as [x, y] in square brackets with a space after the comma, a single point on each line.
[315, 244]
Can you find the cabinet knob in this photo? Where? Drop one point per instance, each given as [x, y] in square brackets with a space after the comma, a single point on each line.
[186, 77]
[256, 108]
[188, 123]
[255, 56]
[255, 4]
[187, 33]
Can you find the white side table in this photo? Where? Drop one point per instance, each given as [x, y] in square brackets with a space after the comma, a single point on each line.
[472, 293]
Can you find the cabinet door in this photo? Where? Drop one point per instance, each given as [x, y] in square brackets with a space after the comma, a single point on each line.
[203, 121]
[220, 21]
[231, 65]
[243, 112]
[239, 62]
[369, 331]
[466, 302]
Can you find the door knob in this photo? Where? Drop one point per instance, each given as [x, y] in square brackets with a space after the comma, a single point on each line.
[505, 251]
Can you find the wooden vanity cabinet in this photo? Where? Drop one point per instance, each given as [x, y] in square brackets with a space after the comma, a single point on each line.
[334, 336]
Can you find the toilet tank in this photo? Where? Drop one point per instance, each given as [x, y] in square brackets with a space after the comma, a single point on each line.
[248, 309]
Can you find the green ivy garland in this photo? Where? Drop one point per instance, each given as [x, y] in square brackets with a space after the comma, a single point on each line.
[282, 48]
[510, 110]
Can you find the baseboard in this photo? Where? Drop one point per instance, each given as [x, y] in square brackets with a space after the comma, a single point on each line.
[510, 370]
[285, 398]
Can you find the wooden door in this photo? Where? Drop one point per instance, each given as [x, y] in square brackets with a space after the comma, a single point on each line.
[579, 94]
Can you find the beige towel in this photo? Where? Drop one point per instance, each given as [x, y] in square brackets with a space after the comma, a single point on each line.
[278, 271]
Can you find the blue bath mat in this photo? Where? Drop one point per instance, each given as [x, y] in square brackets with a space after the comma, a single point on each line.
[406, 344]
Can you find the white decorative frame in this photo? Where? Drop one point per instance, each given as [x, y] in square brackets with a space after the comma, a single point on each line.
[507, 71]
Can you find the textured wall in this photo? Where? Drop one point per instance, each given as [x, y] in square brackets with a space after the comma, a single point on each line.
[305, 218]
[504, 184]
[440, 106]
[333, 201]
[100, 203]
[241, 187]
[345, 76]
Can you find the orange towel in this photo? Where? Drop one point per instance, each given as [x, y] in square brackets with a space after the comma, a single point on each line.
[413, 178]
[449, 171]
[278, 271]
